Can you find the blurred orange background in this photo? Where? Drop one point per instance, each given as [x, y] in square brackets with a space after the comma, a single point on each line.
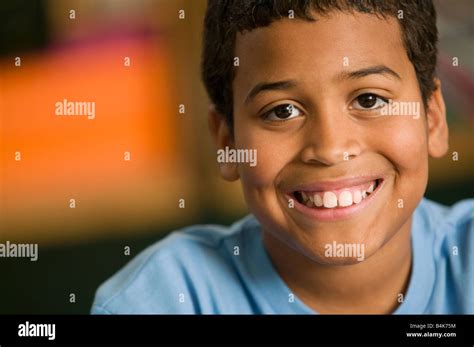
[138, 73]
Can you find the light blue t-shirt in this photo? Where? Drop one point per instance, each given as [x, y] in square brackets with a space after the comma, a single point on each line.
[208, 269]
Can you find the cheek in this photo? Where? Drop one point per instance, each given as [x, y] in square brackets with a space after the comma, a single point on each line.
[259, 183]
[272, 156]
[404, 142]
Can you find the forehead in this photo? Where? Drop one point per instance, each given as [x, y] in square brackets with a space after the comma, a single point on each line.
[304, 50]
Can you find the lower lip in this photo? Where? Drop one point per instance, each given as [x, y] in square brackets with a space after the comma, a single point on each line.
[337, 213]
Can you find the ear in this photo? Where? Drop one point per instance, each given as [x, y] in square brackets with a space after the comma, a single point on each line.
[222, 138]
[437, 125]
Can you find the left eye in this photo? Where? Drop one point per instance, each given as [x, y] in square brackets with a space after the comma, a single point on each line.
[368, 102]
[283, 112]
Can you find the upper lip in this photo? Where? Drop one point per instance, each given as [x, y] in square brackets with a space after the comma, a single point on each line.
[334, 184]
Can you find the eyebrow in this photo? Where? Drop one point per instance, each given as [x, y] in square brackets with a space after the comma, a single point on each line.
[288, 84]
[372, 70]
[266, 86]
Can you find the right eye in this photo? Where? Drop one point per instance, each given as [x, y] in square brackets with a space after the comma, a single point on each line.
[369, 101]
[282, 112]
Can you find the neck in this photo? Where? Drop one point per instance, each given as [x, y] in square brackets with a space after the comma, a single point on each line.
[372, 286]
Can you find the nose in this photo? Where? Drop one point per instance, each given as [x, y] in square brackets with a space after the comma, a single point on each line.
[329, 139]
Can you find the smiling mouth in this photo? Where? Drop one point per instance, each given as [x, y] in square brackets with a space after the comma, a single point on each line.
[335, 199]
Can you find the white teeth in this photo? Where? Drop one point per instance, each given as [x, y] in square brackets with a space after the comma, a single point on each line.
[304, 196]
[345, 198]
[318, 200]
[329, 200]
[357, 196]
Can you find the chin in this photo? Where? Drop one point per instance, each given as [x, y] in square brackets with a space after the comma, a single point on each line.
[348, 250]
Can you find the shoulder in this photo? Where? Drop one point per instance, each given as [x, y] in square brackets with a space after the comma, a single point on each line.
[172, 275]
[449, 222]
[453, 248]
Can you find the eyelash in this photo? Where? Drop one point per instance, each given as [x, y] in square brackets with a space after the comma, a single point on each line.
[379, 98]
[267, 114]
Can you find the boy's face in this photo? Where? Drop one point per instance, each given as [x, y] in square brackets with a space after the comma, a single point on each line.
[328, 135]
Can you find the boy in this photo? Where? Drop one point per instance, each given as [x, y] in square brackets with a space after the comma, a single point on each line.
[340, 101]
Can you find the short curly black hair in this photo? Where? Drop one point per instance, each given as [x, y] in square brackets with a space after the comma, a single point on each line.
[225, 18]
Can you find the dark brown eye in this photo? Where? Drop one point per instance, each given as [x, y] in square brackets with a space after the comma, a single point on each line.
[369, 102]
[283, 112]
